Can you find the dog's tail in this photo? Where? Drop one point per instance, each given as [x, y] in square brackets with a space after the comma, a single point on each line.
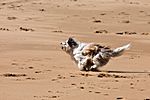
[120, 50]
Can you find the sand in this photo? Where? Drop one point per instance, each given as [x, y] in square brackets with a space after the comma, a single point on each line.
[33, 66]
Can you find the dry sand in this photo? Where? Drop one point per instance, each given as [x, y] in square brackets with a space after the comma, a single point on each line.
[33, 67]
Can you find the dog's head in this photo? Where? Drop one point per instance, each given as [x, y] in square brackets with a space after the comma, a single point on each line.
[69, 45]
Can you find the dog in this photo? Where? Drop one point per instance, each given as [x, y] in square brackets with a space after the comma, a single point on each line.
[90, 56]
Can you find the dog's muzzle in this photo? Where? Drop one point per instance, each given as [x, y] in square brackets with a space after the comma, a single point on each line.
[62, 46]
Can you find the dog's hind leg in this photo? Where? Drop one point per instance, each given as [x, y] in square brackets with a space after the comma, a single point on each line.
[96, 62]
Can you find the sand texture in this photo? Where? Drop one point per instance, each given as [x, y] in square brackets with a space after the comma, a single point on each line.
[33, 66]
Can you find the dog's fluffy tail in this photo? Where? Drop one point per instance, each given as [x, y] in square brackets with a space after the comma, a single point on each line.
[120, 50]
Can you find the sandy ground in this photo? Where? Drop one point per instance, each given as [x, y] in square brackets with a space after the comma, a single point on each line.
[33, 67]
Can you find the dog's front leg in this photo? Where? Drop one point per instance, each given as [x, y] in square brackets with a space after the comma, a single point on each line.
[80, 61]
[81, 66]
[84, 64]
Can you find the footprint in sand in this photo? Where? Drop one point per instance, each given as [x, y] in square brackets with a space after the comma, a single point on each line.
[30, 67]
[120, 98]
[58, 31]
[38, 72]
[123, 13]
[11, 18]
[73, 0]
[15, 7]
[103, 14]
[72, 76]
[14, 64]
[73, 84]
[136, 3]
[58, 6]
[61, 77]
[4, 29]
[86, 74]
[97, 21]
[14, 75]
[54, 79]
[29, 78]
[125, 21]
[97, 92]
[42, 10]
[141, 11]
[58, 78]
[26, 29]
[3, 4]
[145, 33]
[54, 96]
[126, 33]
[101, 31]
[81, 87]
[106, 94]
[46, 97]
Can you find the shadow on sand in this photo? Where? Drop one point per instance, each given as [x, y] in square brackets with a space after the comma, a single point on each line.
[121, 71]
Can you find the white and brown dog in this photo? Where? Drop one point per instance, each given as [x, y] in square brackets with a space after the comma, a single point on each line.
[90, 56]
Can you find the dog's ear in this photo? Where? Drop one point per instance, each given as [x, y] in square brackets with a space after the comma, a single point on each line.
[72, 43]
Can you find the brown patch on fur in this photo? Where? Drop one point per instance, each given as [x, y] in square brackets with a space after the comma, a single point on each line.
[90, 48]
[93, 48]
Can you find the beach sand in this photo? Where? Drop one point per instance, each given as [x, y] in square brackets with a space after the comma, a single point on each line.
[33, 66]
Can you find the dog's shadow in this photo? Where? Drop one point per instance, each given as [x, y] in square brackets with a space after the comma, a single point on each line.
[121, 71]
